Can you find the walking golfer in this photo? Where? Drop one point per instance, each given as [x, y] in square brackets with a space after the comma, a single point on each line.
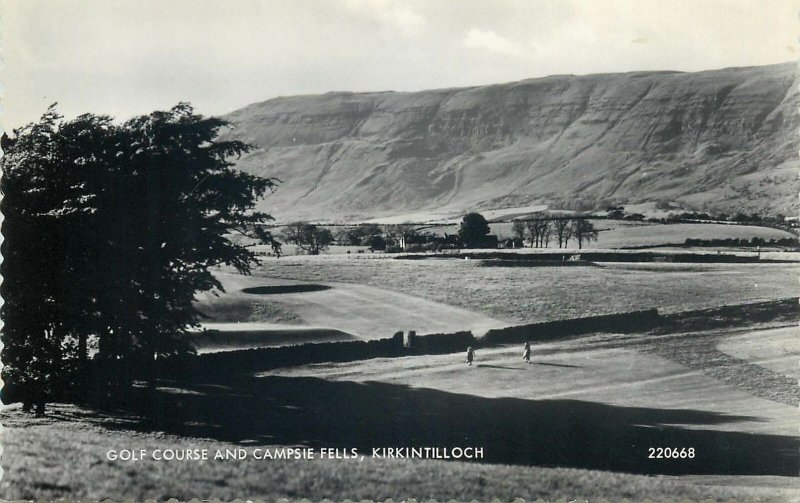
[526, 353]
[470, 355]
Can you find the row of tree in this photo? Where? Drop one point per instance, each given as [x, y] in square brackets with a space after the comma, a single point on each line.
[313, 239]
[541, 229]
[619, 213]
[473, 231]
[109, 230]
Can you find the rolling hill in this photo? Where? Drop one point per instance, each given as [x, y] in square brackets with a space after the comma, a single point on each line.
[720, 140]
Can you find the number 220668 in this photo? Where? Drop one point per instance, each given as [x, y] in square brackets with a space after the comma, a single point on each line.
[670, 453]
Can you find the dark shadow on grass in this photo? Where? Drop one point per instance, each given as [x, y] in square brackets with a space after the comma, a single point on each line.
[485, 365]
[559, 365]
[568, 433]
[278, 289]
[219, 340]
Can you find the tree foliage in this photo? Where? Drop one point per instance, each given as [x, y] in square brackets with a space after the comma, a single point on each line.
[110, 230]
[308, 237]
[359, 235]
[397, 234]
[473, 229]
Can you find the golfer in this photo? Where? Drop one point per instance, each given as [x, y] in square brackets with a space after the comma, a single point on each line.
[526, 352]
[470, 355]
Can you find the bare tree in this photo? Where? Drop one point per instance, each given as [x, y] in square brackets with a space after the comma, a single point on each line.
[533, 232]
[583, 230]
[518, 228]
[546, 232]
[562, 227]
[539, 228]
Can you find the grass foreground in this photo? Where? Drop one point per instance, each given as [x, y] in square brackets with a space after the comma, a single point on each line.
[63, 455]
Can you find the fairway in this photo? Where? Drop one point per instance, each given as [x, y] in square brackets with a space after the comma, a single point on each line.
[776, 350]
[580, 398]
[613, 369]
[351, 310]
[581, 418]
[526, 295]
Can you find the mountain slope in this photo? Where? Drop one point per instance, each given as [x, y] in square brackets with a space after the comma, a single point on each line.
[716, 140]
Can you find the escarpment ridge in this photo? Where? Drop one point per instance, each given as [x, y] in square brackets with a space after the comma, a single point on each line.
[720, 140]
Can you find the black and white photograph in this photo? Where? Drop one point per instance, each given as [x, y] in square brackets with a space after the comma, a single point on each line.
[470, 250]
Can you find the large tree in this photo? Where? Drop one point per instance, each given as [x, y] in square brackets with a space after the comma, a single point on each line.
[113, 229]
[473, 229]
[173, 200]
[308, 237]
[399, 234]
[51, 227]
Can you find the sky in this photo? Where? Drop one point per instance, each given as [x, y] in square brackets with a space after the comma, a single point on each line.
[125, 58]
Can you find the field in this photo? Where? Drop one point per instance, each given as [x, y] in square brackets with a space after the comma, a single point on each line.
[613, 234]
[577, 422]
[525, 295]
[625, 233]
[616, 236]
[571, 423]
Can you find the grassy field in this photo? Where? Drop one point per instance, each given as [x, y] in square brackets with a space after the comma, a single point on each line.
[613, 234]
[35, 451]
[617, 236]
[579, 406]
[521, 294]
[579, 409]
[626, 233]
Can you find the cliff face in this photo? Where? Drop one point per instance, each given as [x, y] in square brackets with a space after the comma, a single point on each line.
[715, 140]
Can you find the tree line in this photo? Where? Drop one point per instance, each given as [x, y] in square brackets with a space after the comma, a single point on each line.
[542, 228]
[314, 239]
[110, 229]
[473, 231]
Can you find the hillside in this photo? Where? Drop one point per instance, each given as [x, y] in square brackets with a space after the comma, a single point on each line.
[721, 140]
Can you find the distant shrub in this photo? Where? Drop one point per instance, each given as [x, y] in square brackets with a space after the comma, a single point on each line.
[743, 242]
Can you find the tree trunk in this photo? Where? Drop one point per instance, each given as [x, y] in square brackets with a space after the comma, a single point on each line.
[83, 350]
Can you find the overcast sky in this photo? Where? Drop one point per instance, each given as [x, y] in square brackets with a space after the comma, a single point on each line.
[131, 57]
